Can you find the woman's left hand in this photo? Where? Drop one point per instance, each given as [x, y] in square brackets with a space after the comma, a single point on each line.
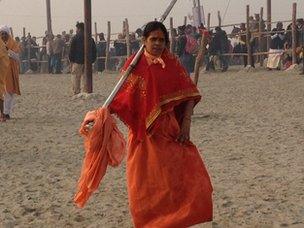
[184, 135]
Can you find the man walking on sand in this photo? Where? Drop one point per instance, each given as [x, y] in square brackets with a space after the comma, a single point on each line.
[76, 57]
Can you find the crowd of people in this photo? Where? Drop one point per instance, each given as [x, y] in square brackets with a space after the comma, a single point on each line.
[52, 55]
[225, 50]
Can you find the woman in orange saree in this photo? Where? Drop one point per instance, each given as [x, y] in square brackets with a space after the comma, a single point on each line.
[4, 65]
[168, 184]
[12, 75]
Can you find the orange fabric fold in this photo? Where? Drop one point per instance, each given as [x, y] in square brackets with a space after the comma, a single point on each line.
[104, 145]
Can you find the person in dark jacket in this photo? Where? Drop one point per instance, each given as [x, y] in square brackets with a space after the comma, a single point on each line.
[76, 57]
[276, 49]
[220, 46]
[120, 46]
[181, 41]
[101, 52]
[187, 47]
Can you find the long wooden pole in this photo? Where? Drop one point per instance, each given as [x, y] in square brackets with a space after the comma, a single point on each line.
[199, 12]
[23, 32]
[199, 58]
[185, 20]
[172, 41]
[107, 62]
[49, 17]
[208, 21]
[219, 18]
[268, 22]
[294, 33]
[302, 44]
[124, 28]
[95, 68]
[128, 43]
[88, 46]
[260, 35]
[95, 32]
[249, 51]
[28, 43]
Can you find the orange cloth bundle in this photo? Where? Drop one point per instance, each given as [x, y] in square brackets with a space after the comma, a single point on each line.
[104, 145]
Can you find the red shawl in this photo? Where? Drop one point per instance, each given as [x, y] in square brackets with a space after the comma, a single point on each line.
[151, 90]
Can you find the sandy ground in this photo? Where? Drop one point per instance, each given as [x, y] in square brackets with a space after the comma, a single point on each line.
[249, 129]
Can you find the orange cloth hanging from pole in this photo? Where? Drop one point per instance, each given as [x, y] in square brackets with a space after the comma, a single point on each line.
[104, 145]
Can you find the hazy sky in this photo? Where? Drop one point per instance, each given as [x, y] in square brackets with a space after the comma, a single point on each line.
[31, 13]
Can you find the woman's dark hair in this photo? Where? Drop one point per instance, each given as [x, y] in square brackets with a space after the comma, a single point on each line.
[153, 26]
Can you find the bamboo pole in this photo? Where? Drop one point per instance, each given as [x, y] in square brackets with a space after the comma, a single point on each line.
[219, 18]
[264, 33]
[124, 28]
[88, 46]
[49, 17]
[268, 22]
[127, 37]
[96, 41]
[172, 43]
[294, 33]
[238, 24]
[260, 35]
[107, 62]
[199, 58]
[208, 21]
[302, 44]
[233, 24]
[249, 51]
[185, 20]
[254, 54]
[199, 12]
[29, 54]
[95, 32]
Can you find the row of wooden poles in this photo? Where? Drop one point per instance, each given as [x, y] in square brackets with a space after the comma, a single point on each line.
[248, 33]
[260, 33]
[249, 53]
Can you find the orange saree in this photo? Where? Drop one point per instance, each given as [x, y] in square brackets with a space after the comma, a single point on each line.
[4, 64]
[168, 184]
[12, 76]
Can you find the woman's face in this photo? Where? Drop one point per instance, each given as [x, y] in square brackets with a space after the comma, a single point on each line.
[155, 43]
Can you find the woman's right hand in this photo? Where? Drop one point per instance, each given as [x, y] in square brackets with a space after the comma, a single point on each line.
[89, 118]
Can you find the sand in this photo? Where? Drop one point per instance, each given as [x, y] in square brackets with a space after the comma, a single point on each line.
[249, 129]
